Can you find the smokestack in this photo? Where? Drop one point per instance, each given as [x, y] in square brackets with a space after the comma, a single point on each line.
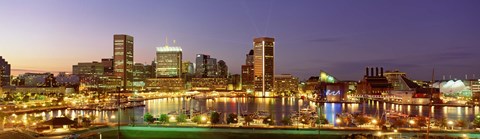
[371, 71]
[366, 73]
[376, 71]
[381, 71]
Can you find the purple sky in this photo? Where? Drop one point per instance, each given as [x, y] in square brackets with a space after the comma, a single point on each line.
[340, 37]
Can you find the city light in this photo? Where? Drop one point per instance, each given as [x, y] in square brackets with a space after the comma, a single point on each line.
[75, 84]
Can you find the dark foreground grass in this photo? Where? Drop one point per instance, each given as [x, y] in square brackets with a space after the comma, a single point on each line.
[208, 133]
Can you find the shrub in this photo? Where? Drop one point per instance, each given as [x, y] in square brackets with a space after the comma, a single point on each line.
[182, 118]
[148, 118]
[163, 118]
[232, 118]
[287, 120]
[268, 120]
[215, 117]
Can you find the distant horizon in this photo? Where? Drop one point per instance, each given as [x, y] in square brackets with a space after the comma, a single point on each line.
[339, 37]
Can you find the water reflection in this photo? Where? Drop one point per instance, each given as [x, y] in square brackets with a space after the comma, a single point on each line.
[278, 107]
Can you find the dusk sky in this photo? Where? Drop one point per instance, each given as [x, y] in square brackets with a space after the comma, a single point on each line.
[338, 36]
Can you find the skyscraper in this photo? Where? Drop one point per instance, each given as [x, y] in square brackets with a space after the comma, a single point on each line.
[169, 61]
[264, 68]
[201, 65]
[247, 73]
[4, 72]
[222, 69]
[123, 58]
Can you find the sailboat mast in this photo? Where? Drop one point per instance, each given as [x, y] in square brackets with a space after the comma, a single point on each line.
[430, 104]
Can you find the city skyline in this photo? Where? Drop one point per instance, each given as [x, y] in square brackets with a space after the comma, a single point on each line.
[341, 42]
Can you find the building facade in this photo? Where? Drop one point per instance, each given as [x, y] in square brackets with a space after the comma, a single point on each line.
[209, 84]
[285, 85]
[168, 62]
[88, 68]
[247, 74]
[264, 67]
[4, 72]
[107, 66]
[222, 69]
[123, 58]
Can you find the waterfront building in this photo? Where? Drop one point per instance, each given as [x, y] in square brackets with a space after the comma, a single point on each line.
[394, 78]
[5, 71]
[264, 67]
[222, 69]
[168, 62]
[170, 85]
[310, 86]
[65, 79]
[123, 59]
[285, 85]
[188, 71]
[332, 92]
[374, 83]
[248, 73]
[32, 79]
[209, 84]
[235, 82]
[201, 65]
[107, 66]
[139, 75]
[88, 68]
[207, 67]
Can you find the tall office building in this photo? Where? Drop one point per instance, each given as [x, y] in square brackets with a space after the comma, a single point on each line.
[107, 66]
[123, 58]
[169, 62]
[222, 69]
[4, 72]
[201, 65]
[263, 65]
[247, 73]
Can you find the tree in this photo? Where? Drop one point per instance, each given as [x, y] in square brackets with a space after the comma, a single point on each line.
[287, 120]
[361, 119]
[197, 119]
[248, 119]
[476, 121]
[215, 117]
[441, 122]
[232, 118]
[399, 122]
[321, 120]
[148, 118]
[163, 118]
[461, 123]
[421, 121]
[305, 119]
[182, 118]
[268, 120]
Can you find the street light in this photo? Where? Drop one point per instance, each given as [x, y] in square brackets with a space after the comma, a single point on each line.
[374, 121]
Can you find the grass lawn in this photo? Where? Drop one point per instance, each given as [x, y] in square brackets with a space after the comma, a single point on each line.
[214, 133]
